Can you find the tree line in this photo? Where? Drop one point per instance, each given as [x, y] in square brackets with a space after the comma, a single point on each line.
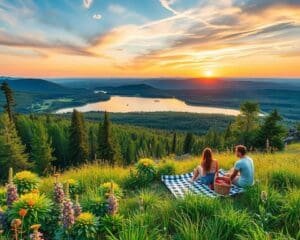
[41, 142]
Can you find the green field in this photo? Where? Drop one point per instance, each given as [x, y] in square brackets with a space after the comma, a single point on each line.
[147, 210]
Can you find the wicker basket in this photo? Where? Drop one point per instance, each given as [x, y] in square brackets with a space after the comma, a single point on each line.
[223, 188]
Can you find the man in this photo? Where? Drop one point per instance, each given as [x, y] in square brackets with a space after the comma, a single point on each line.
[242, 174]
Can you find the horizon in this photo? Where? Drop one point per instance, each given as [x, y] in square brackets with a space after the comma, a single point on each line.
[150, 39]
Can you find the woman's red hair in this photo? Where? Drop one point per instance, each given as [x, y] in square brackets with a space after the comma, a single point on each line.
[207, 159]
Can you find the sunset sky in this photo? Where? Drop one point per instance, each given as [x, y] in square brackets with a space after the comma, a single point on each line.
[150, 38]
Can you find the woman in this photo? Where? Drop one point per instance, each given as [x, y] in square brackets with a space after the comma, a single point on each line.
[207, 169]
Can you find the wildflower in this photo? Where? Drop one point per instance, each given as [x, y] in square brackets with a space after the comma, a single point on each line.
[86, 217]
[23, 212]
[36, 235]
[112, 202]
[264, 196]
[35, 191]
[31, 202]
[12, 192]
[68, 211]
[35, 227]
[16, 223]
[68, 216]
[59, 194]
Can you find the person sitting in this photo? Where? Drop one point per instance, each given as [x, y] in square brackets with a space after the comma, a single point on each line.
[242, 173]
[207, 169]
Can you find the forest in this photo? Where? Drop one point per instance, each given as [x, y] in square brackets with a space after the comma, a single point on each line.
[42, 142]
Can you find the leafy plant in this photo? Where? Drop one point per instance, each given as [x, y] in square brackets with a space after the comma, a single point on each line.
[95, 204]
[283, 180]
[111, 224]
[291, 212]
[166, 168]
[32, 208]
[85, 227]
[146, 170]
[26, 182]
[105, 189]
[74, 187]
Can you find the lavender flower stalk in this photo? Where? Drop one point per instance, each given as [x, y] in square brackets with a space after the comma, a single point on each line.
[59, 194]
[77, 207]
[112, 202]
[12, 192]
[68, 217]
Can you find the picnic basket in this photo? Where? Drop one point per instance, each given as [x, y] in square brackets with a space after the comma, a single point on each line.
[222, 185]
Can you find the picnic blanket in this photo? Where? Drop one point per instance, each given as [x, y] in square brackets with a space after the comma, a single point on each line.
[180, 185]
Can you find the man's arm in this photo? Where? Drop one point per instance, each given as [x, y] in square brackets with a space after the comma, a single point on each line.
[234, 174]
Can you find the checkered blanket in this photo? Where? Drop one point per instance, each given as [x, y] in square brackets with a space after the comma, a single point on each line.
[180, 185]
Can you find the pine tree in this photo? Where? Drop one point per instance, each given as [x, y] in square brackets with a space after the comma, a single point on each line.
[9, 100]
[272, 131]
[108, 149]
[78, 140]
[188, 143]
[174, 143]
[41, 150]
[12, 152]
[130, 153]
[247, 123]
[92, 144]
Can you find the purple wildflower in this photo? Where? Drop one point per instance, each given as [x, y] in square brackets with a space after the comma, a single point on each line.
[12, 192]
[59, 194]
[68, 217]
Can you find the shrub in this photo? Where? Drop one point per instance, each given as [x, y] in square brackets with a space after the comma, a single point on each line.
[111, 224]
[291, 212]
[105, 189]
[74, 187]
[187, 229]
[94, 204]
[283, 180]
[229, 224]
[131, 230]
[146, 170]
[148, 200]
[166, 168]
[2, 197]
[33, 208]
[85, 227]
[26, 181]
[195, 206]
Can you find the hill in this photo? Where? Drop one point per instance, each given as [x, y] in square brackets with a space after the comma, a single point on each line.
[147, 210]
[38, 95]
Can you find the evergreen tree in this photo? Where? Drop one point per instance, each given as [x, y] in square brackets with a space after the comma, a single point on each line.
[174, 143]
[41, 150]
[188, 143]
[12, 152]
[272, 131]
[247, 123]
[108, 149]
[78, 140]
[130, 153]
[92, 144]
[8, 93]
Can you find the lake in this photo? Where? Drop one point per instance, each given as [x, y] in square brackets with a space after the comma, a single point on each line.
[119, 104]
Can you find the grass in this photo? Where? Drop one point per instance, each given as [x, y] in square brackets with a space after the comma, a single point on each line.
[153, 213]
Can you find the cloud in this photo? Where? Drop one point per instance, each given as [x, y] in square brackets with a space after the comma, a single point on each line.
[87, 3]
[116, 8]
[23, 42]
[260, 5]
[167, 5]
[97, 16]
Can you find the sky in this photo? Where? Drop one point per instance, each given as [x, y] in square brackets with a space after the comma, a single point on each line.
[150, 38]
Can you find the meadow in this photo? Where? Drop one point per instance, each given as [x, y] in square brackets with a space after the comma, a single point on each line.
[141, 207]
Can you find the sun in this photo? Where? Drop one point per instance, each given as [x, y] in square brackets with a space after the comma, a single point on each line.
[208, 73]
